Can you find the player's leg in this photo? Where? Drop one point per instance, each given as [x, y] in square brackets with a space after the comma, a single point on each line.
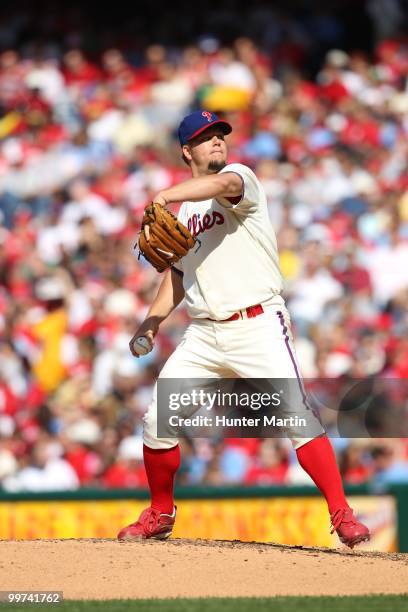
[261, 350]
[197, 356]
[270, 336]
[193, 359]
[317, 458]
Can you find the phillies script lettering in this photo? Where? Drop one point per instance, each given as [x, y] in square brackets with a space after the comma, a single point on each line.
[198, 226]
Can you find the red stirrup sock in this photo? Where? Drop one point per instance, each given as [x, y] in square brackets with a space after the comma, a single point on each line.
[317, 458]
[161, 466]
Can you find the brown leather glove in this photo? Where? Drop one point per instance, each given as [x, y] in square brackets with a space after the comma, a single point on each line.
[168, 239]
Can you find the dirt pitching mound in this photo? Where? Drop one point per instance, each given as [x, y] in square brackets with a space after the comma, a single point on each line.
[106, 569]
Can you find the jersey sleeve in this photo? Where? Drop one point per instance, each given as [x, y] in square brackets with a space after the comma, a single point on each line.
[251, 189]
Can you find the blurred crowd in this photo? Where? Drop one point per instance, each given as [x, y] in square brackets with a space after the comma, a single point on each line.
[84, 145]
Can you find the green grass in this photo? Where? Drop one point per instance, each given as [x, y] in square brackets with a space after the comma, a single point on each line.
[369, 603]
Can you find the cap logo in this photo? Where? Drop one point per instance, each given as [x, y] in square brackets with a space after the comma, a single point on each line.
[207, 115]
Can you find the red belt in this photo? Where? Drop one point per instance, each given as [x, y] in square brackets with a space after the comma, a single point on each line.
[245, 313]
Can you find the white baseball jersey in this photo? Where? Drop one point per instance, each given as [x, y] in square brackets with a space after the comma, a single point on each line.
[235, 264]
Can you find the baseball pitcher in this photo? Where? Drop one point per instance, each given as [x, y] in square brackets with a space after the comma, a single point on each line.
[228, 272]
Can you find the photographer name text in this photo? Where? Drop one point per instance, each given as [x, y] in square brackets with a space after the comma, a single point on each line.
[244, 421]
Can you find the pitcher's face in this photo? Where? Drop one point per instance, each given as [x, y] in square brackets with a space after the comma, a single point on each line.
[207, 152]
